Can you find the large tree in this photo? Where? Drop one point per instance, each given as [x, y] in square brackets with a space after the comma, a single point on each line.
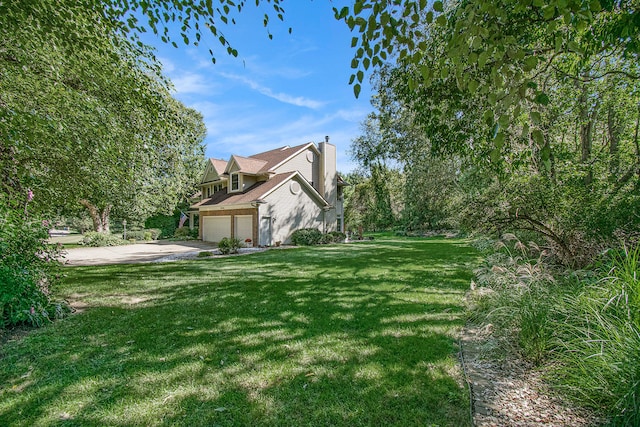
[91, 123]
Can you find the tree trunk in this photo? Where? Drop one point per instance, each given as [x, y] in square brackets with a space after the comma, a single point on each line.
[587, 120]
[613, 130]
[100, 218]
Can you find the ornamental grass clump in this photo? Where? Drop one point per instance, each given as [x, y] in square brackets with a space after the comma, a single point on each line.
[597, 341]
[516, 286]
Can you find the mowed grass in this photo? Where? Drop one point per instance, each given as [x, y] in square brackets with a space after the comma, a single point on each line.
[361, 334]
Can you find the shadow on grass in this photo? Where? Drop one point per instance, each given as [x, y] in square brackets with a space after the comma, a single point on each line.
[339, 335]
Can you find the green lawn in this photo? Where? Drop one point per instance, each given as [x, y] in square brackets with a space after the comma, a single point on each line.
[357, 334]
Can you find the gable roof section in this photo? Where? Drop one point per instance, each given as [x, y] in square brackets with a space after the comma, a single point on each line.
[219, 165]
[215, 167]
[245, 164]
[257, 192]
[275, 158]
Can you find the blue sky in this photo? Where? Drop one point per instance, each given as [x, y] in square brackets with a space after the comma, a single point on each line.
[289, 90]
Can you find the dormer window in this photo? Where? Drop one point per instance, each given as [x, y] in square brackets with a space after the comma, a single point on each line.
[235, 182]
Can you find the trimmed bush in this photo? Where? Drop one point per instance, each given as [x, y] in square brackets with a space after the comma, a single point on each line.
[186, 233]
[337, 236]
[306, 237]
[147, 235]
[167, 225]
[229, 246]
[154, 232]
[313, 236]
[94, 239]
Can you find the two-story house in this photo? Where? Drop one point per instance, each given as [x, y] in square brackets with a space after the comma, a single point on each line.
[262, 199]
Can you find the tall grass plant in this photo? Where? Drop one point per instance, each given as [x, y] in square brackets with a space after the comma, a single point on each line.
[597, 353]
[581, 328]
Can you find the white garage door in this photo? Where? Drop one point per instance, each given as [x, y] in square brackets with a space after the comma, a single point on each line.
[244, 227]
[214, 228]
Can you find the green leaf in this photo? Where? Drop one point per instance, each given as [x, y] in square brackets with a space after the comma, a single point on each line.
[488, 119]
[545, 153]
[437, 6]
[482, 58]
[498, 141]
[356, 90]
[538, 137]
[429, 17]
[472, 86]
[548, 12]
[542, 98]
[530, 63]
[495, 156]
[426, 73]
[357, 8]
[536, 118]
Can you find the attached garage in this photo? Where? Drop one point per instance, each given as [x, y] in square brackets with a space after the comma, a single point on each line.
[214, 228]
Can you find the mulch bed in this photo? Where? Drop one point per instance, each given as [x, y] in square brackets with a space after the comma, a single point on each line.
[509, 391]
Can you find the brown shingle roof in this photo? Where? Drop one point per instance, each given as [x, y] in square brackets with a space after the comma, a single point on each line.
[252, 194]
[275, 157]
[219, 165]
[249, 165]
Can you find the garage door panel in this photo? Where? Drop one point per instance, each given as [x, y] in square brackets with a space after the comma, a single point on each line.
[215, 228]
[244, 227]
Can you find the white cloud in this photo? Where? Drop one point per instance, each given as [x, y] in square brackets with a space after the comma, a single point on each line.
[282, 97]
[191, 83]
[167, 65]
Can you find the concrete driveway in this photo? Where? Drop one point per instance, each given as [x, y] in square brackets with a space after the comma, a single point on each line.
[136, 253]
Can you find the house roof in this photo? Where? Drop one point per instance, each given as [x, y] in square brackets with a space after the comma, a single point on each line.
[252, 194]
[274, 158]
[246, 164]
[259, 163]
[255, 193]
[219, 165]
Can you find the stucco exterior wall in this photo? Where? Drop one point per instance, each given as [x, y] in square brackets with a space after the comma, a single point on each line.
[290, 212]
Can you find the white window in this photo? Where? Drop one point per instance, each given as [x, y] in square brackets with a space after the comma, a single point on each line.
[235, 182]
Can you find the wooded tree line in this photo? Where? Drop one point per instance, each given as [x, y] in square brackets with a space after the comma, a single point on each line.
[503, 117]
